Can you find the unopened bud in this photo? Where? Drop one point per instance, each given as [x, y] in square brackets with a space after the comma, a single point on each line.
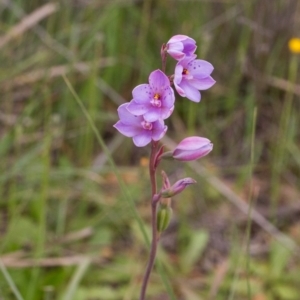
[192, 148]
[164, 215]
[177, 187]
[180, 46]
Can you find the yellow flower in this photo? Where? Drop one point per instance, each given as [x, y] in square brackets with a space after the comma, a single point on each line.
[294, 45]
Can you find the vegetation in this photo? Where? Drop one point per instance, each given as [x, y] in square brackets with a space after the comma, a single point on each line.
[74, 205]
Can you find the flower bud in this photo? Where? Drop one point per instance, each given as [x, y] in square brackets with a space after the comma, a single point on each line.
[180, 46]
[164, 215]
[192, 148]
[177, 187]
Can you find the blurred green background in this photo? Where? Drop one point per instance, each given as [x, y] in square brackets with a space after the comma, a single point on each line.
[71, 225]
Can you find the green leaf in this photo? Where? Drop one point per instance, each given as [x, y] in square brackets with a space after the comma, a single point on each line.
[279, 259]
[194, 249]
[102, 236]
[21, 232]
[286, 292]
[99, 293]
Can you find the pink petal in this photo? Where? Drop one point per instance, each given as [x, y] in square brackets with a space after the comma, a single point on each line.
[178, 38]
[158, 81]
[179, 90]
[192, 148]
[137, 109]
[127, 130]
[200, 68]
[176, 54]
[126, 117]
[159, 130]
[202, 84]
[189, 46]
[168, 98]
[142, 139]
[158, 134]
[166, 112]
[193, 143]
[178, 73]
[142, 93]
[190, 92]
[176, 47]
[152, 114]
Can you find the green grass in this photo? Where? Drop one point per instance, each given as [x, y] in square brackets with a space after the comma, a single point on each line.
[74, 205]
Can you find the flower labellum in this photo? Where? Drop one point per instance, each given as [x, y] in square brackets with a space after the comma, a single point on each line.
[192, 148]
[180, 46]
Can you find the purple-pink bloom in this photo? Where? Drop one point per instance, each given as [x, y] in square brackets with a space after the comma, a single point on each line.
[192, 148]
[180, 46]
[192, 75]
[141, 131]
[154, 100]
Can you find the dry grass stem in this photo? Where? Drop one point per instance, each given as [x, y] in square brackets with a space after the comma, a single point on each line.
[44, 262]
[56, 71]
[283, 84]
[28, 22]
